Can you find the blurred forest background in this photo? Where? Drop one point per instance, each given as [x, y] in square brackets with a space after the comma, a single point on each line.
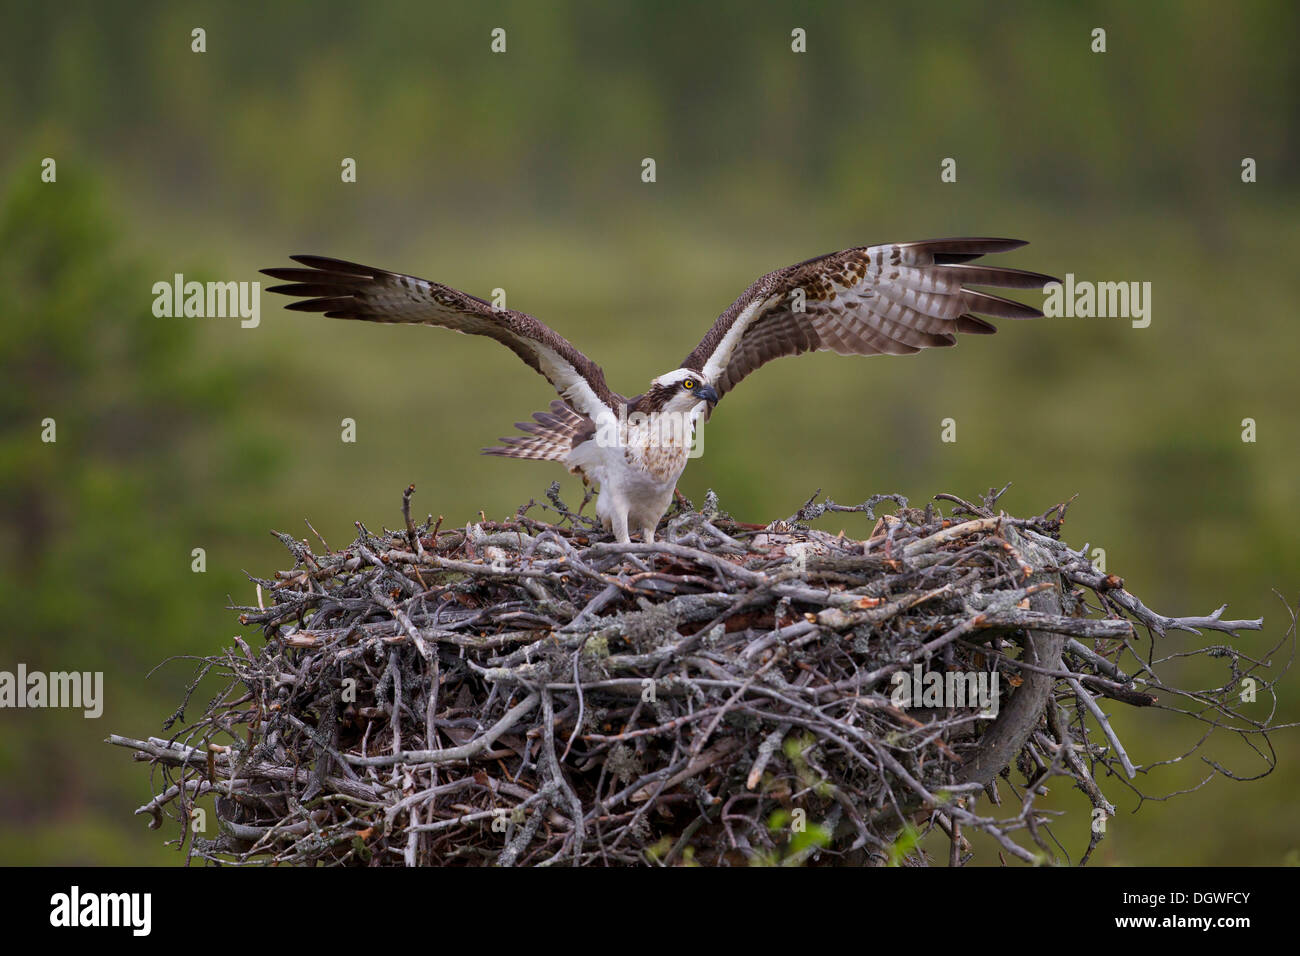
[522, 171]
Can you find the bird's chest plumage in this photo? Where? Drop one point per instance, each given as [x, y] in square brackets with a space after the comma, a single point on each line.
[659, 452]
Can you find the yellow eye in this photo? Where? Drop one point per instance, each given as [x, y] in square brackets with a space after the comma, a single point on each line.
[689, 383]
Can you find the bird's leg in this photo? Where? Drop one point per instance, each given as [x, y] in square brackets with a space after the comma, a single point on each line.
[620, 526]
[648, 536]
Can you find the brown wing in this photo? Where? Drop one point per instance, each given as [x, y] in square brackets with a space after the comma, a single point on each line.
[889, 299]
[346, 290]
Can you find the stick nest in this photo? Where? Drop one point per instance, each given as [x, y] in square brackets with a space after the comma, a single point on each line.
[529, 693]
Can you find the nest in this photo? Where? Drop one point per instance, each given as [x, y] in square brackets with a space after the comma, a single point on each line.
[532, 693]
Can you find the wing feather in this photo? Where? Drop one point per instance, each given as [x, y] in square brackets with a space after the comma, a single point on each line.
[348, 290]
[892, 299]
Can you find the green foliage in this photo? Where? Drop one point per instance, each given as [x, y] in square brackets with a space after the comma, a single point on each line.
[799, 840]
[795, 747]
[97, 526]
[905, 844]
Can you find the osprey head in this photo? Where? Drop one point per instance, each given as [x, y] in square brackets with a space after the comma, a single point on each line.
[681, 390]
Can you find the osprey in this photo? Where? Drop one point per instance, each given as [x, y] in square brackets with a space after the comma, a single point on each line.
[891, 299]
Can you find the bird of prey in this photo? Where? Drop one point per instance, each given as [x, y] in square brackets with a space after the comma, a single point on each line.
[890, 299]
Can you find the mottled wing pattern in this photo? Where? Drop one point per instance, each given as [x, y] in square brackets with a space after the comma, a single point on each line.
[347, 290]
[549, 437]
[890, 299]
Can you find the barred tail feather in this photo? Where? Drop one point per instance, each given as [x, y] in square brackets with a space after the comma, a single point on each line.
[549, 437]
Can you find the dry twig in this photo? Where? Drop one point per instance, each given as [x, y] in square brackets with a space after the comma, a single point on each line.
[520, 693]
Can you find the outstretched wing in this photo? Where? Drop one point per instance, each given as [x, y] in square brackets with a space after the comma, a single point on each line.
[346, 290]
[890, 299]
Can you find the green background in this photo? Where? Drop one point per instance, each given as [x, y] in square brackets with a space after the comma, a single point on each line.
[522, 171]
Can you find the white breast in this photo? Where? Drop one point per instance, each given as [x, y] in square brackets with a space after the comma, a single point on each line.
[637, 472]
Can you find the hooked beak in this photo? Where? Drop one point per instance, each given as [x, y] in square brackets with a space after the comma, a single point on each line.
[708, 393]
